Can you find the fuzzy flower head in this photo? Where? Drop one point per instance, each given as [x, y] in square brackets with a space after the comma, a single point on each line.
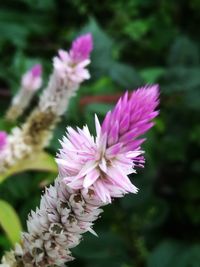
[32, 80]
[3, 140]
[71, 66]
[101, 165]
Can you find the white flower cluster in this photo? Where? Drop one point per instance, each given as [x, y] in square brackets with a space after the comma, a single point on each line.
[12, 258]
[57, 226]
[15, 150]
[57, 95]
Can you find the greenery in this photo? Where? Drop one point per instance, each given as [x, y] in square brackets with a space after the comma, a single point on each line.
[136, 42]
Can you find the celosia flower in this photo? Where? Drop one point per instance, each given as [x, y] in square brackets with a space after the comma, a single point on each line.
[69, 72]
[71, 66]
[3, 140]
[94, 169]
[102, 164]
[32, 80]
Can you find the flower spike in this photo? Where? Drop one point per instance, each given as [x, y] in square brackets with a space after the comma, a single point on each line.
[103, 164]
[31, 81]
[92, 171]
[69, 71]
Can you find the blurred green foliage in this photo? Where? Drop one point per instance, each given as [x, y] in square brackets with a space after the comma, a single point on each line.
[136, 42]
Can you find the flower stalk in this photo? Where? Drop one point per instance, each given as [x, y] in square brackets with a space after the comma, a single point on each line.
[92, 173]
[69, 71]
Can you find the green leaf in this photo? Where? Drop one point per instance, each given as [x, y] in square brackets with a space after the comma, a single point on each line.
[39, 162]
[165, 254]
[190, 257]
[108, 246]
[192, 99]
[4, 242]
[180, 79]
[104, 85]
[184, 52]
[174, 254]
[16, 26]
[40, 5]
[136, 29]
[125, 75]
[102, 58]
[10, 222]
[151, 75]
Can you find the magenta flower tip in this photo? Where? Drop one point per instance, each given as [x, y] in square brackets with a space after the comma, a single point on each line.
[3, 139]
[81, 47]
[71, 66]
[36, 70]
[32, 79]
[132, 115]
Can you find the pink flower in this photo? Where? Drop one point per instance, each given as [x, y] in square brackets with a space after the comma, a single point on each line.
[3, 140]
[101, 165]
[81, 48]
[32, 80]
[71, 66]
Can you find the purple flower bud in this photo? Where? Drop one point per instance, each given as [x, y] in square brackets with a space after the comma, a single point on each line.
[32, 80]
[81, 48]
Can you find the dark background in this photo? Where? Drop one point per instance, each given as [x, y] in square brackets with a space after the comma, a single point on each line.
[136, 42]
